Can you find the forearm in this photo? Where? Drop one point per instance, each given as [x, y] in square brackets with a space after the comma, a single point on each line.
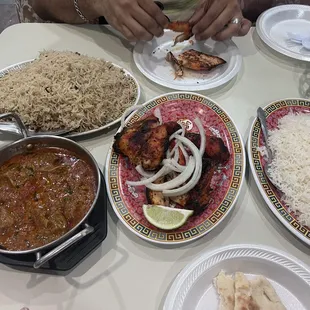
[64, 10]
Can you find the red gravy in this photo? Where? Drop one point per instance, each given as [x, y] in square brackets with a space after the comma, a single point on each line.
[43, 194]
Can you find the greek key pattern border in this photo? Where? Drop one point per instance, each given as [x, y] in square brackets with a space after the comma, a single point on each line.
[228, 200]
[256, 159]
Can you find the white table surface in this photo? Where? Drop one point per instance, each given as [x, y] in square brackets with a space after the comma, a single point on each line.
[127, 272]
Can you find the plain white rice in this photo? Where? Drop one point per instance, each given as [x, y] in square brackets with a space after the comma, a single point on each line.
[290, 167]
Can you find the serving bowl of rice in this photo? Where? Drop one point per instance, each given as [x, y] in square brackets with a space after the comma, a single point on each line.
[67, 91]
[287, 192]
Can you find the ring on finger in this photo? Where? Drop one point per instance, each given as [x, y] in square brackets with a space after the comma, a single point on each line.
[235, 21]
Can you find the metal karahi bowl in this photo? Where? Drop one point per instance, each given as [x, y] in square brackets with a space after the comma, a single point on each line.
[27, 143]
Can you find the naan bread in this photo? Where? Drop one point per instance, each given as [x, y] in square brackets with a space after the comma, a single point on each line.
[225, 288]
[242, 292]
[264, 297]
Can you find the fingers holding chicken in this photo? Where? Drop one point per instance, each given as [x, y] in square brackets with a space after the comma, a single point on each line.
[181, 26]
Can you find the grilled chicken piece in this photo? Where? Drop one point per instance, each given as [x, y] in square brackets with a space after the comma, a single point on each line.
[156, 146]
[199, 196]
[181, 200]
[172, 127]
[157, 198]
[215, 147]
[182, 160]
[179, 26]
[183, 27]
[127, 141]
[145, 143]
[154, 149]
[175, 64]
[198, 61]
[182, 37]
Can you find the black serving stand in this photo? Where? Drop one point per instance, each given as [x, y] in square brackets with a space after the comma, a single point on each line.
[64, 262]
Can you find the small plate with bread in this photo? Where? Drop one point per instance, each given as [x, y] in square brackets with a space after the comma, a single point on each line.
[241, 277]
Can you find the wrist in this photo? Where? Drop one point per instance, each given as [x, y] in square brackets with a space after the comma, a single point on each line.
[89, 9]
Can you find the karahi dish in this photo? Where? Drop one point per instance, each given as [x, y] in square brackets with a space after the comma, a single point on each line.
[44, 193]
[49, 186]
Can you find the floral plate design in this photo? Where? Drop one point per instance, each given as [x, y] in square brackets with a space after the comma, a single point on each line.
[271, 195]
[127, 201]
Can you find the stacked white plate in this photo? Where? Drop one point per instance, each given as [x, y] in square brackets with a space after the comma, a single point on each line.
[274, 25]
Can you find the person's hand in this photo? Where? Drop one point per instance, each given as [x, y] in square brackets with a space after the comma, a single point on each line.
[219, 19]
[135, 19]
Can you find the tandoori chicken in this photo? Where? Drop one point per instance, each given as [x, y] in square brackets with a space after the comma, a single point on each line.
[183, 27]
[215, 147]
[193, 60]
[199, 61]
[175, 64]
[199, 197]
[146, 142]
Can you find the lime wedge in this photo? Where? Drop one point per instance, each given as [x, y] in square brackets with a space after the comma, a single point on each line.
[166, 218]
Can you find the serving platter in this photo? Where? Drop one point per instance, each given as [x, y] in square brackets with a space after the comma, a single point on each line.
[274, 25]
[271, 195]
[10, 127]
[150, 57]
[193, 288]
[127, 201]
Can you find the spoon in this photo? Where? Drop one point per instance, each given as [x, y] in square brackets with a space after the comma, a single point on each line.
[262, 118]
[300, 39]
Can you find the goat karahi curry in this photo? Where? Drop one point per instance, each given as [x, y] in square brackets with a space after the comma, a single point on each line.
[43, 194]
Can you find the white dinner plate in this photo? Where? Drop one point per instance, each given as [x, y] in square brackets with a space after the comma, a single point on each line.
[150, 60]
[273, 27]
[193, 288]
[12, 128]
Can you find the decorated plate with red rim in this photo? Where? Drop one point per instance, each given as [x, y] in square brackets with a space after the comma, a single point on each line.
[271, 195]
[127, 201]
